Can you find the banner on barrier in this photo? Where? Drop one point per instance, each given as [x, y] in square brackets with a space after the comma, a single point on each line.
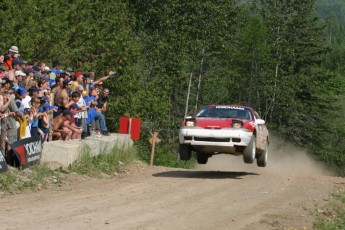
[28, 151]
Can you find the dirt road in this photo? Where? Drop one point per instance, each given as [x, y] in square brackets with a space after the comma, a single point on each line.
[224, 194]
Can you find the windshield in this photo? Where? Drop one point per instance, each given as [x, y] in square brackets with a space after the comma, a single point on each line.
[225, 112]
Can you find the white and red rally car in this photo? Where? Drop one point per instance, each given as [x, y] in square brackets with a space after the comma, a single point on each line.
[224, 129]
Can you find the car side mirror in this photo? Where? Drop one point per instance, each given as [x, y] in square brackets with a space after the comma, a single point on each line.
[260, 122]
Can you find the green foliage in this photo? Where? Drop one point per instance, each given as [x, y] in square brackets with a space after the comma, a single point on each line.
[333, 217]
[105, 163]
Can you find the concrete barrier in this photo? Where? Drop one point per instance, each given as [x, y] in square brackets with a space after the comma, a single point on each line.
[64, 153]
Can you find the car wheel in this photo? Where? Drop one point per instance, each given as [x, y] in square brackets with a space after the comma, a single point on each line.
[185, 152]
[262, 159]
[250, 151]
[201, 158]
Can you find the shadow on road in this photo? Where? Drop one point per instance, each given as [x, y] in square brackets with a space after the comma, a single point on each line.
[204, 174]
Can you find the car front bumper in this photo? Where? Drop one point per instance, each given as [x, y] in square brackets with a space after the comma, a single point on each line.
[214, 140]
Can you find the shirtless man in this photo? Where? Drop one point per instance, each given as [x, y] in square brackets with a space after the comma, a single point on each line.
[71, 125]
[59, 128]
[60, 96]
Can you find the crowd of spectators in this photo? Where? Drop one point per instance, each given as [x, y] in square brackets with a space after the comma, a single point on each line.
[55, 103]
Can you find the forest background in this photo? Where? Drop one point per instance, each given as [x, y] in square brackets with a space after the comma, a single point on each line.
[285, 58]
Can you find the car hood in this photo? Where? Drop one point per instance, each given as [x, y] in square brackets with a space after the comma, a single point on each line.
[214, 123]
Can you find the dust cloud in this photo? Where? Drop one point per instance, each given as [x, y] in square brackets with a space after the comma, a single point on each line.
[283, 157]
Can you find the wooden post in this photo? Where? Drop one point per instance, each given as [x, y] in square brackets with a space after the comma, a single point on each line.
[130, 127]
[153, 141]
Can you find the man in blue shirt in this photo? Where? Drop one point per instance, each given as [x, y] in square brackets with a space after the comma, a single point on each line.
[94, 114]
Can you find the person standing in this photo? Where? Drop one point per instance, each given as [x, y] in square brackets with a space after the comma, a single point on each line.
[13, 54]
[103, 100]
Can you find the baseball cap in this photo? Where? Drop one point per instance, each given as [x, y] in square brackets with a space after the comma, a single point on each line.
[21, 91]
[30, 70]
[35, 89]
[47, 107]
[19, 73]
[38, 75]
[45, 99]
[36, 68]
[17, 62]
[6, 80]
[69, 69]
[77, 74]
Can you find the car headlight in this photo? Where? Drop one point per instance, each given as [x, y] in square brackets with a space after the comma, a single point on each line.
[190, 123]
[237, 124]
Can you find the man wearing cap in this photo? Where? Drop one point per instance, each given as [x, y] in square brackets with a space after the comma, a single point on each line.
[69, 71]
[28, 78]
[78, 77]
[35, 92]
[43, 123]
[20, 76]
[13, 54]
[16, 65]
[22, 99]
[6, 84]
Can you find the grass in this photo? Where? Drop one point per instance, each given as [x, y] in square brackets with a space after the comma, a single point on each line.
[41, 176]
[333, 217]
[165, 155]
[35, 178]
[105, 163]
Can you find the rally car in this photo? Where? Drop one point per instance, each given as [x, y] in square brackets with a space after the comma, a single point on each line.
[224, 129]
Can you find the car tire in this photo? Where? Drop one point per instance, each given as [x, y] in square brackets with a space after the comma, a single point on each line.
[185, 152]
[201, 158]
[250, 151]
[262, 159]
